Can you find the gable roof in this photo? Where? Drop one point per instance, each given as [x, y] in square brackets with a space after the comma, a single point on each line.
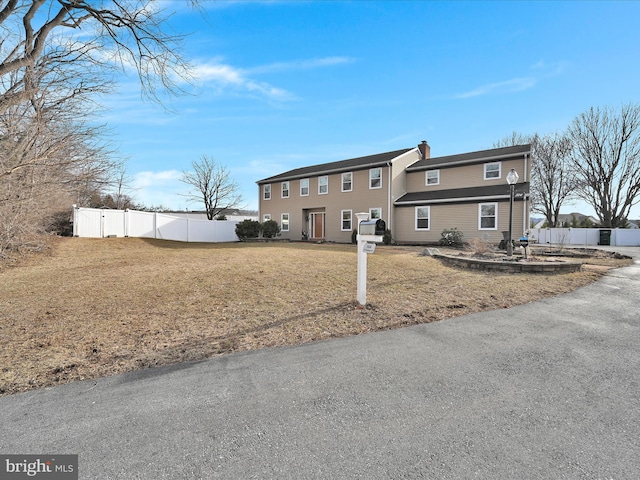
[462, 195]
[481, 156]
[369, 161]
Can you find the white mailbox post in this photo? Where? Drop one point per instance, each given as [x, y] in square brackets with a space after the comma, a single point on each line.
[364, 247]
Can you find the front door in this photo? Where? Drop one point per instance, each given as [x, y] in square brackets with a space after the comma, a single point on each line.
[317, 226]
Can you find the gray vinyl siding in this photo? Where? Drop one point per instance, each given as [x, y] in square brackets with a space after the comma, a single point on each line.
[360, 199]
[464, 177]
[462, 216]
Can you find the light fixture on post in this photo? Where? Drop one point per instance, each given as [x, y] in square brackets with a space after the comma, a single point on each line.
[512, 179]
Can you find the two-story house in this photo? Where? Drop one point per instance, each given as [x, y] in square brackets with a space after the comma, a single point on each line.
[417, 196]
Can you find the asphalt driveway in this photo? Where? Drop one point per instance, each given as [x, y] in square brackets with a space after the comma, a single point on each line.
[547, 390]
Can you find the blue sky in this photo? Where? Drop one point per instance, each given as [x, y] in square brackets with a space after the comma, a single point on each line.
[285, 84]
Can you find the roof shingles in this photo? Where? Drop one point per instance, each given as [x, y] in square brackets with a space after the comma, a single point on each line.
[471, 157]
[459, 195]
[369, 161]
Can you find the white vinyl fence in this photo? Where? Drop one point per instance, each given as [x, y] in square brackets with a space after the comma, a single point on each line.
[100, 223]
[620, 237]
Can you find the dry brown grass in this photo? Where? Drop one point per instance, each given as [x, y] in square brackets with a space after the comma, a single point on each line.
[98, 307]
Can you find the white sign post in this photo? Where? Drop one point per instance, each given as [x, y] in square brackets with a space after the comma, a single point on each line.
[364, 247]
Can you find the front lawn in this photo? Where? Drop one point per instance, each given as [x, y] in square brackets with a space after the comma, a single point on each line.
[98, 307]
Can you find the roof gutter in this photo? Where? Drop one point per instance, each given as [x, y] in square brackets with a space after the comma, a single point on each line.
[460, 199]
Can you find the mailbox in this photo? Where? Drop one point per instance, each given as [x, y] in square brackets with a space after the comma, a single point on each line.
[372, 227]
[524, 241]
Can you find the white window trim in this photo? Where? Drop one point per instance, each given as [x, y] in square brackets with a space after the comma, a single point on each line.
[282, 223]
[342, 229]
[304, 194]
[266, 217]
[499, 171]
[480, 227]
[288, 184]
[264, 192]
[323, 193]
[370, 178]
[415, 216]
[426, 178]
[375, 208]
[342, 182]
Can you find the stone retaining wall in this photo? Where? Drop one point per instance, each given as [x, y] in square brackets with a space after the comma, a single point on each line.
[509, 266]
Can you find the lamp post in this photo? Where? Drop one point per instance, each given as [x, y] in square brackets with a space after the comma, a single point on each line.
[512, 179]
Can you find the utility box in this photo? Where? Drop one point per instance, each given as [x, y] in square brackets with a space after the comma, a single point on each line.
[605, 237]
[372, 227]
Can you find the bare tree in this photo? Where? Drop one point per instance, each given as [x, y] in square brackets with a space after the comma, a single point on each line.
[57, 57]
[514, 138]
[58, 34]
[213, 186]
[607, 160]
[553, 179]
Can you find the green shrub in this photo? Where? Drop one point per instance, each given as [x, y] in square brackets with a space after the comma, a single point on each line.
[451, 237]
[248, 229]
[354, 236]
[386, 238]
[270, 229]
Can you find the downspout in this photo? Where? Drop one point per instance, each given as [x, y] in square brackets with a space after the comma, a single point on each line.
[525, 213]
[389, 164]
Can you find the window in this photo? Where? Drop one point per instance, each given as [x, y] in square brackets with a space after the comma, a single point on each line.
[375, 178]
[422, 218]
[492, 170]
[284, 222]
[432, 177]
[304, 187]
[488, 216]
[323, 185]
[375, 213]
[347, 186]
[266, 192]
[285, 189]
[346, 220]
[266, 217]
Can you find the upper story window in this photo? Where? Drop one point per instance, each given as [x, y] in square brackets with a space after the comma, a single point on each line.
[488, 216]
[304, 187]
[346, 220]
[375, 178]
[422, 218]
[285, 189]
[266, 192]
[492, 170]
[347, 183]
[323, 185]
[432, 177]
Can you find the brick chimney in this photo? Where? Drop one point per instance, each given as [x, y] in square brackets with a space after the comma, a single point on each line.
[425, 150]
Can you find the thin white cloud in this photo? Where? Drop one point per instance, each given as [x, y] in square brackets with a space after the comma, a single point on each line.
[225, 76]
[301, 65]
[540, 70]
[160, 188]
[550, 69]
[148, 178]
[218, 74]
[508, 86]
